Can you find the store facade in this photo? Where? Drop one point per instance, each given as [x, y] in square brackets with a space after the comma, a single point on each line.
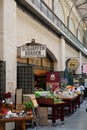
[32, 68]
[18, 26]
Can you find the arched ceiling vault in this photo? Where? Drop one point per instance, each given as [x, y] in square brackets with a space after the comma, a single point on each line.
[81, 6]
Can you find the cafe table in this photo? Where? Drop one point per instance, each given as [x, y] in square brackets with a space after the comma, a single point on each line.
[49, 102]
[19, 119]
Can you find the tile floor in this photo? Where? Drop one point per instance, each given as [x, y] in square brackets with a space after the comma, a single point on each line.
[77, 121]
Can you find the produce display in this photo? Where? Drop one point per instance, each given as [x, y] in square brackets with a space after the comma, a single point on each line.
[47, 94]
[8, 111]
[67, 92]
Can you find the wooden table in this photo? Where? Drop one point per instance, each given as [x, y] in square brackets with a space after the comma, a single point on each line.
[48, 102]
[71, 104]
[22, 120]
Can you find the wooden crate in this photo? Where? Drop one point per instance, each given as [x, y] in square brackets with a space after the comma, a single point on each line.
[44, 100]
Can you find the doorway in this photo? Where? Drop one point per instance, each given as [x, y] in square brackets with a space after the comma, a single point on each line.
[31, 72]
[40, 79]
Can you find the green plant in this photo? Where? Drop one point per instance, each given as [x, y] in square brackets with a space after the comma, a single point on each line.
[28, 105]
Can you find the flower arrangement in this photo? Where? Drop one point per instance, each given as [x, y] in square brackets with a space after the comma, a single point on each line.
[7, 95]
[63, 82]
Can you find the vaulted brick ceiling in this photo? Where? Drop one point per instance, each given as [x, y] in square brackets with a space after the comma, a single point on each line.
[81, 6]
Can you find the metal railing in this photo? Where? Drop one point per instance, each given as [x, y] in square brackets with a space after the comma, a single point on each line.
[43, 8]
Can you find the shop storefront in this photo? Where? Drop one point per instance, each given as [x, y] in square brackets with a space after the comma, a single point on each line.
[31, 71]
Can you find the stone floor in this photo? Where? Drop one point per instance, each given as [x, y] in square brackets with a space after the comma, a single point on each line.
[77, 121]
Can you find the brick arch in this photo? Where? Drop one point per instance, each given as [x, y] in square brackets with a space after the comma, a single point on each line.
[51, 55]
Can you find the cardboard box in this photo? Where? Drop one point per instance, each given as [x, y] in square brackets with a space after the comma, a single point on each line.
[26, 98]
[42, 114]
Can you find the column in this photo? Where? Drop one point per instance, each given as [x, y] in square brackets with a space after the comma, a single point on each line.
[9, 41]
[80, 63]
[1, 29]
[62, 54]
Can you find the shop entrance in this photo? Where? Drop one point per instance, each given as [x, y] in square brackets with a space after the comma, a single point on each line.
[40, 79]
[31, 72]
[30, 79]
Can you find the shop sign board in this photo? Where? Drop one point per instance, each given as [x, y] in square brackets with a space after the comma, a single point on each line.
[85, 68]
[52, 81]
[33, 51]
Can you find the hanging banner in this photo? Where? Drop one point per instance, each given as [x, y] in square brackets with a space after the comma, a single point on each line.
[33, 51]
[52, 81]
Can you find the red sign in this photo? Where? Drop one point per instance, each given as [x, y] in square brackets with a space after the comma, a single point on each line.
[52, 80]
[52, 77]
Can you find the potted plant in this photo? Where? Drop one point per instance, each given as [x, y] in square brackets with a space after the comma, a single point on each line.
[28, 105]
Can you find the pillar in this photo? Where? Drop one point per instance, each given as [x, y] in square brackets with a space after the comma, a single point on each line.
[8, 41]
[62, 54]
[80, 63]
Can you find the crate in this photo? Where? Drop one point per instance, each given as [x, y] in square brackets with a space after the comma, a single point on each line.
[42, 114]
[45, 101]
[28, 97]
